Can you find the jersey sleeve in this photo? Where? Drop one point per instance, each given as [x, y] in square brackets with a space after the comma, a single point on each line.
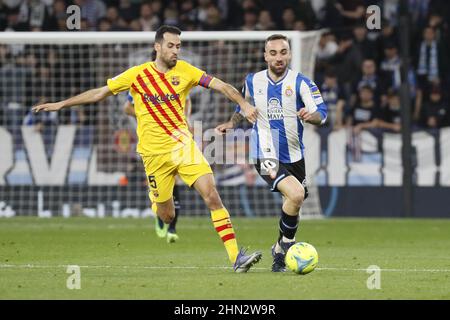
[312, 98]
[198, 76]
[122, 81]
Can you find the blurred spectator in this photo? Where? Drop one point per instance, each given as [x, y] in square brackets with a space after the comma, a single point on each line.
[171, 16]
[35, 14]
[250, 20]
[213, 19]
[327, 46]
[437, 22]
[391, 11]
[319, 9]
[104, 24]
[116, 21]
[91, 10]
[347, 62]
[300, 25]
[304, 12]
[289, 18]
[391, 66]
[388, 35]
[435, 110]
[202, 10]
[335, 100]
[363, 115]
[157, 7]
[331, 18]
[13, 22]
[390, 118]
[431, 58]
[366, 47]
[370, 78]
[128, 10]
[265, 21]
[353, 12]
[188, 13]
[148, 20]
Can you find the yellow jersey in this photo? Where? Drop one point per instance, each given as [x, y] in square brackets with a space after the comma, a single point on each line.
[159, 102]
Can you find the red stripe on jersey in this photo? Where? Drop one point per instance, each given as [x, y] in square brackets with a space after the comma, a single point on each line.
[157, 105]
[172, 91]
[163, 96]
[153, 114]
[225, 226]
[228, 237]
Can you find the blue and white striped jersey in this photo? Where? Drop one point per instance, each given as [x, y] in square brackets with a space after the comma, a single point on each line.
[278, 131]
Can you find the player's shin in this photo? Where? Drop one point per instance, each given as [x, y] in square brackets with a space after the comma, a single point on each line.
[288, 226]
[222, 224]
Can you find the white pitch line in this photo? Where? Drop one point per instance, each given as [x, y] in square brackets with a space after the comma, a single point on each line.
[32, 266]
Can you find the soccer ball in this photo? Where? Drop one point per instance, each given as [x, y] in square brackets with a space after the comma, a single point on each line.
[301, 258]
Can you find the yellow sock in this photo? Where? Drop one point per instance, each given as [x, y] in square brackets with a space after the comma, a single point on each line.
[222, 224]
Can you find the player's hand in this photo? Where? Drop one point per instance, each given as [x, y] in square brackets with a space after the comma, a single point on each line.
[250, 112]
[222, 128]
[304, 115]
[48, 107]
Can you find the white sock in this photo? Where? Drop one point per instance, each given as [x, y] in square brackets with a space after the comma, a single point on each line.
[286, 240]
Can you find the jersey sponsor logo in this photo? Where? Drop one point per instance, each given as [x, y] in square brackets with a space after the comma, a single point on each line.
[160, 99]
[289, 92]
[175, 80]
[274, 109]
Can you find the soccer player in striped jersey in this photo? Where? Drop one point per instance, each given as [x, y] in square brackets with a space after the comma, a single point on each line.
[159, 89]
[285, 100]
[162, 229]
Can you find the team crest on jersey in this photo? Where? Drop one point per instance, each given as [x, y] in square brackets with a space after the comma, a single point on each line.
[289, 92]
[155, 193]
[274, 109]
[175, 80]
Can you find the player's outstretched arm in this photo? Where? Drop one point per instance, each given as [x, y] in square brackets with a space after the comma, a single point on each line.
[231, 124]
[234, 95]
[90, 96]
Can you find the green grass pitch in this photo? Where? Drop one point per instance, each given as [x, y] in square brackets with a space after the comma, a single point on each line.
[123, 259]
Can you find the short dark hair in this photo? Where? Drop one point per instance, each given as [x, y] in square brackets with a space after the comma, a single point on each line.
[163, 29]
[276, 36]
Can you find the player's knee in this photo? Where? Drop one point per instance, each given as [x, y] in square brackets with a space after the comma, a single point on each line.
[297, 197]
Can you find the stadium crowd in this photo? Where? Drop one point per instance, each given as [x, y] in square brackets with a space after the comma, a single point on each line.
[358, 70]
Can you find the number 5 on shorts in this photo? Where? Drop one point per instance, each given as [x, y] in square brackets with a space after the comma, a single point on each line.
[152, 182]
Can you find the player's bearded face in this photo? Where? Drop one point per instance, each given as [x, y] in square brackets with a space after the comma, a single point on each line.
[277, 55]
[170, 49]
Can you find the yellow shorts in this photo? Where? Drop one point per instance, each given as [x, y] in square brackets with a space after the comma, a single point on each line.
[161, 169]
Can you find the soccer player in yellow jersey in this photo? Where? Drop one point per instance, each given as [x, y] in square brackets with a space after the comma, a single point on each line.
[162, 229]
[159, 89]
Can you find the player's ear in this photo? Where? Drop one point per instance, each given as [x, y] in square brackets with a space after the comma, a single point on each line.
[265, 56]
[157, 46]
